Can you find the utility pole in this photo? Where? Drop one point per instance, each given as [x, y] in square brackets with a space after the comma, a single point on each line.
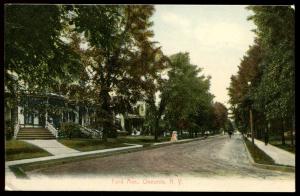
[251, 121]
[251, 126]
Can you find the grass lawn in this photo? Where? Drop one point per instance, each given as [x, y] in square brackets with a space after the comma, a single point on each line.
[16, 150]
[89, 144]
[258, 155]
[287, 147]
[278, 143]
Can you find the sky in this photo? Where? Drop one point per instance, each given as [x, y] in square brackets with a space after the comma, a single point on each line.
[215, 36]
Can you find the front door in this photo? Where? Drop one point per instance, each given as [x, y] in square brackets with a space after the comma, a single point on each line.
[28, 118]
[42, 120]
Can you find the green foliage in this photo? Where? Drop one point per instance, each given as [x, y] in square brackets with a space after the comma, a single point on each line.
[33, 48]
[229, 126]
[70, 130]
[269, 66]
[276, 31]
[9, 132]
[112, 133]
[187, 93]
[220, 116]
[121, 55]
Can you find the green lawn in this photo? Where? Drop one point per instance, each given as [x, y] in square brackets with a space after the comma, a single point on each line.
[258, 155]
[90, 144]
[276, 141]
[16, 150]
[287, 147]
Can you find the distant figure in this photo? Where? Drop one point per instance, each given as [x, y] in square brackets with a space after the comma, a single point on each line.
[174, 136]
[266, 138]
[229, 133]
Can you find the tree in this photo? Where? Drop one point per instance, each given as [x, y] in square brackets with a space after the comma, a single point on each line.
[220, 116]
[269, 66]
[240, 93]
[276, 30]
[123, 59]
[36, 58]
[187, 91]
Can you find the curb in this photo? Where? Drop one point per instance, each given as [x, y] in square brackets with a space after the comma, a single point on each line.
[265, 166]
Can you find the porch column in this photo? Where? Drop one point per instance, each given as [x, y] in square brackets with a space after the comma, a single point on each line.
[77, 115]
[46, 115]
[88, 116]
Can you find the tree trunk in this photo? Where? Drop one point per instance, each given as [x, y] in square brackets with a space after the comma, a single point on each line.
[251, 126]
[293, 129]
[156, 129]
[107, 124]
[282, 132]
[14, 120]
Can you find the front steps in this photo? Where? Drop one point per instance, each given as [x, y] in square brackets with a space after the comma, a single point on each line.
[35, 133]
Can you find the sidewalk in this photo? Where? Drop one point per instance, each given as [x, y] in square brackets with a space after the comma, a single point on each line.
[280, 156]
[22, 161]
[52, 146]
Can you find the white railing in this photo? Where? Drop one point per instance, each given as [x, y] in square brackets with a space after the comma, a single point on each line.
[16, 130]
[91, 132]
[52, 129]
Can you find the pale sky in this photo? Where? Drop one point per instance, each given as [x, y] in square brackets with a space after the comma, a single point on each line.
[216, 37]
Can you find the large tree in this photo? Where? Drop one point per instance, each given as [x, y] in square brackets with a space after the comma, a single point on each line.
[269, 66]
[122, 56]
[276, 30]
[36, 57]
[220, 116]
[187, 91]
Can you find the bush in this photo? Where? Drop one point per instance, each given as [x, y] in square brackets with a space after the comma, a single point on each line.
[122, 133]
[9, 133]
[112, 133]
[70, 130]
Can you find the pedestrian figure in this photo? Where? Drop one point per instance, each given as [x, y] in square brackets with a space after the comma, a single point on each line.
[229, 133]
[266, 138]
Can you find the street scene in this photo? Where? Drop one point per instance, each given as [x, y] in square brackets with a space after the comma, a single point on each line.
[210, 157]
[149, 97]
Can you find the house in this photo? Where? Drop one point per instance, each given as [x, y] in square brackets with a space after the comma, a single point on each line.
[40, 115]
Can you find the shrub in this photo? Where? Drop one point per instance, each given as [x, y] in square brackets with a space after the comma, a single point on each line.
[70, 130]
[112, 133]
[9, 132]
[122, 133]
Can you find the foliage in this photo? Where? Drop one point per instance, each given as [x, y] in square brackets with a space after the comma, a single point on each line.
[269, 67]
[229, 127]
[70, 130]
[9, 133]
[220, 116]
[185, 96]
[33, 46]
[121, 55]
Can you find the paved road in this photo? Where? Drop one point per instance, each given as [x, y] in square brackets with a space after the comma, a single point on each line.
[218, 156]
[214, 164]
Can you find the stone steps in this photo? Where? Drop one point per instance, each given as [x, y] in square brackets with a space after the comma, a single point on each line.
[34, 133]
